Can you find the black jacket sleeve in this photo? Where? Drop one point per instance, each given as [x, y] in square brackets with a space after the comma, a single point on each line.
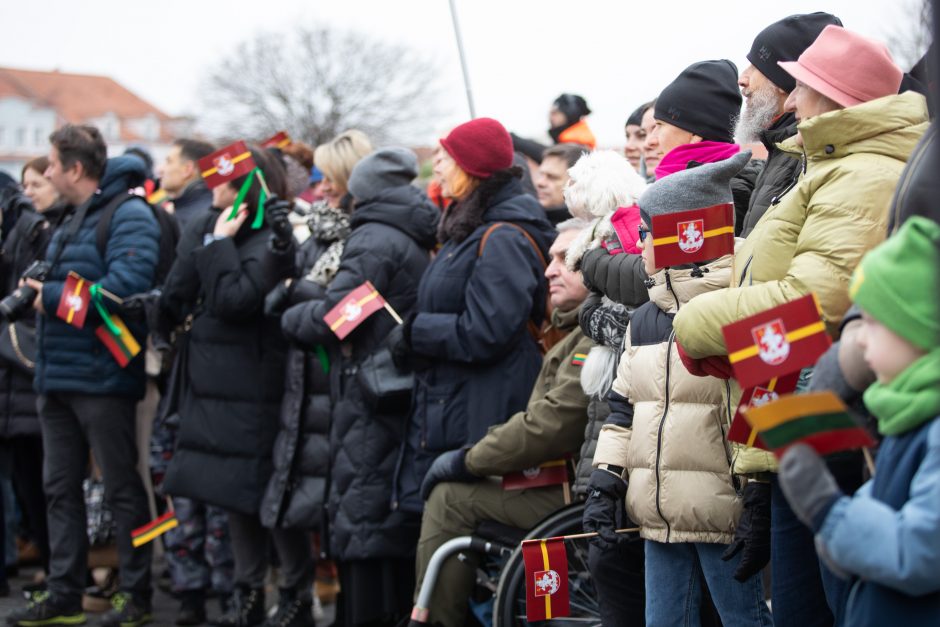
[621, 278]
[530, 148]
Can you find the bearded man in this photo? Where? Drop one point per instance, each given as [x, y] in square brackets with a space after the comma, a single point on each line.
[765, 87]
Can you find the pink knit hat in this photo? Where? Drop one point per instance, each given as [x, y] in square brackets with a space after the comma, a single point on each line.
[846, 67]
[480, 147]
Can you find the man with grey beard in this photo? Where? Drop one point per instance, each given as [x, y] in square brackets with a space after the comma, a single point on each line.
[765, 87]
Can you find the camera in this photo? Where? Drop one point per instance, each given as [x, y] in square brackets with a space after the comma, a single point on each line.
[19, 302]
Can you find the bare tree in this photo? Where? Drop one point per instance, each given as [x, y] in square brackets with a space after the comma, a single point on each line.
[910, 37]
[317, 82]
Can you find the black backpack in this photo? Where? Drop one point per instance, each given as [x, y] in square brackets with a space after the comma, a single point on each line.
[169, 234]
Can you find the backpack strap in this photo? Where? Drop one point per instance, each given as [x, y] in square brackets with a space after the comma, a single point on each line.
[493, 227]
[102, 231]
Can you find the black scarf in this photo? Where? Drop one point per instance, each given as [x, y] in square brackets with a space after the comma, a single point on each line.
[462, 218]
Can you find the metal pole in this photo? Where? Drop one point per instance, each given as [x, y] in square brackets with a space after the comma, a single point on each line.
[463, 60]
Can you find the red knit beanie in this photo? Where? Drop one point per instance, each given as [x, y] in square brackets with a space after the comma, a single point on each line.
[480, 147]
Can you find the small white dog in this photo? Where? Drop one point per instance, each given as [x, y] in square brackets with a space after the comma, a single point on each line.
[601, 182]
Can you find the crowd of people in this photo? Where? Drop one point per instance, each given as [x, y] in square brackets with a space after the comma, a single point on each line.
[528, 326]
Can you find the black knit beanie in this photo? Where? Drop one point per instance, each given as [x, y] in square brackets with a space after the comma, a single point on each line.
[703, 100]
[636, 118]
[785, 41]
[573, 107]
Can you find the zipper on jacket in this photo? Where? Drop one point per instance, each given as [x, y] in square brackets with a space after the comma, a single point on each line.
[673, 292]
[659, 435]
[776, 199]
[724, 435]
[744, 271]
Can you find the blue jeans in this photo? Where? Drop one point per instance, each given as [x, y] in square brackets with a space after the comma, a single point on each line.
[799, 599]
[673, 587]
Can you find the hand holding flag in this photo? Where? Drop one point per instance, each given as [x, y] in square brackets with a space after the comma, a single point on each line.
[353, 310]
[229, 163]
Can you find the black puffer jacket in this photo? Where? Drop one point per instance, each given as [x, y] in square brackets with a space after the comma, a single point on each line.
[471, 326]
[389, 245]
[26, 243]
[780, 171]
[296, 493]
[235, 365]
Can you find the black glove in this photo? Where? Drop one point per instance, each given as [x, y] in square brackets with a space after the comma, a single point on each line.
[752, 535]
[808, 485]
[282, 231]
[449, 466]
[399, 343]
[278, 299]
[604, 510]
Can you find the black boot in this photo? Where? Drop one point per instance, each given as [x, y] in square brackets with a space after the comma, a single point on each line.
[246, 608]
[192, 608]
[294, 609]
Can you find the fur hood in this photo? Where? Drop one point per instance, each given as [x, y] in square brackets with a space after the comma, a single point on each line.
[601, 182]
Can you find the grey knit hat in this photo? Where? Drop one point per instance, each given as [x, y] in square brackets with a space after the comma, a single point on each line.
[381, 170]
[698, 187]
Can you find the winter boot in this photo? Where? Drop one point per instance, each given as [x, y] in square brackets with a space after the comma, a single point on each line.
[192, 608]
[246, 608]
[43, 609]
[293, 610]
[127, 611]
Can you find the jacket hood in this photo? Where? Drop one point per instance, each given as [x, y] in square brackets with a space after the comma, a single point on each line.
[405, 208]
[121, 174]
[890, 126]
[684, 285]
[511, 204]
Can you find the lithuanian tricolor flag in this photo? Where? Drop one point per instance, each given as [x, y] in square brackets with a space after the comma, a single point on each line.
[279, 140]
[578, 359]
[226, 164]
[777, 341]
[820, 420]
[693, 236]
[154, 529]
[352, 311]
[119, 340]
[546, 579]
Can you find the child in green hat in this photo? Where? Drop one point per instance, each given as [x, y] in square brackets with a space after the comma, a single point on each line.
[886, 538]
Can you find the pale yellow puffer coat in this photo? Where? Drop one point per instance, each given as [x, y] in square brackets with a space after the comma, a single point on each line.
[676, 454]
[812, 240]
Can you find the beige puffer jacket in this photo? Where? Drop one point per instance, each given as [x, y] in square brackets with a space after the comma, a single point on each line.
[676, 455]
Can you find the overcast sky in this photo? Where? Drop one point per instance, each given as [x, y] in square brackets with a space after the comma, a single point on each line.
[521, 53]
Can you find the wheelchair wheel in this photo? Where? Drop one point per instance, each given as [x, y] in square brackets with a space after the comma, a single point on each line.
[509, 607]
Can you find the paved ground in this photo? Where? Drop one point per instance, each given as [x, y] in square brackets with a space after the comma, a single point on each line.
[165, 606]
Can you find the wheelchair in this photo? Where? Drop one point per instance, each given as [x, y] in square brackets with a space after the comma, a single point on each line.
[503, 571]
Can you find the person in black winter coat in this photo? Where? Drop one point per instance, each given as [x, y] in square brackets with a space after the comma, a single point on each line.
[393, 230]
[233, 377]
[469, 340]
[20, 436]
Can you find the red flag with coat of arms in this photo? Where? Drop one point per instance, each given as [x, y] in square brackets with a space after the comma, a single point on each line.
[75, 300]
[279, 140]
[353, 310]
[776, 342]
[741, 430]
[546, 579]
[226, 164]
[693, 236]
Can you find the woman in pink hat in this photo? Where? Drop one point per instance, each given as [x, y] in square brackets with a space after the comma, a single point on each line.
[855, 135]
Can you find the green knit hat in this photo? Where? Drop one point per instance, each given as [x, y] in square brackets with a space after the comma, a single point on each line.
[897, 282]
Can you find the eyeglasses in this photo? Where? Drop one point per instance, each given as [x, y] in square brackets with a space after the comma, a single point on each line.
[642, 232]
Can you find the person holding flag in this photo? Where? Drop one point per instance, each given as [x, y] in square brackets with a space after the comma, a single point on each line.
[854, 136]
[662, 452]
[346, 322]
[232, 360]
[516, 473]
[886, 538]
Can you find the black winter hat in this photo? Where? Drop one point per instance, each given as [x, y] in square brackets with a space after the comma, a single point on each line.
[785, 41]
[703, 100]
[636, 118]
[574, 107]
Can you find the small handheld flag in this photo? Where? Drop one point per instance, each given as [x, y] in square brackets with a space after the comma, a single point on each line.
[279, 140]
[550, 473]
[777, 341]
[154, 529]
[226, 164]
[115, 335]
[693, 236]
[820, 420]
[546, 579]
[741, 430]
[75, 299]
[353, 310]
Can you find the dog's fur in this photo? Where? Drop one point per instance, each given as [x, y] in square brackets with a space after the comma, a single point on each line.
[601, 182]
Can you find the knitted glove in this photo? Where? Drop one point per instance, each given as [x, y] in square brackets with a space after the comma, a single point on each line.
[752, 535]
[808, 485]
[604, 510]
[277, 212]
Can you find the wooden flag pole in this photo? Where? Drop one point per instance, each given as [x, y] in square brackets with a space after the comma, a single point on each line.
[868, 460]
[393, 313]
[264, 184]
[578, 536]
[111, 295]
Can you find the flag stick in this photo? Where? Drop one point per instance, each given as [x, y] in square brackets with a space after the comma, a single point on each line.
[264, 184]
[393, 313]
[868, 460]
[111, 295]
[566, 490]
[578, 536]
[463, 59]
